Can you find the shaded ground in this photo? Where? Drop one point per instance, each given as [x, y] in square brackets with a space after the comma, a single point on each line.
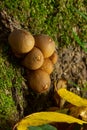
[71, 65]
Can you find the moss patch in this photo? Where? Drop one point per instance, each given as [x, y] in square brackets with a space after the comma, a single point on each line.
[57, 18]
[10, 77]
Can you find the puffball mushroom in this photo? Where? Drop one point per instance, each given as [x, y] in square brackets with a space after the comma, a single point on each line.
[21, 41]
[54, 57]
[47, 66]
[34, 59]
[39, 81]
[45, 44]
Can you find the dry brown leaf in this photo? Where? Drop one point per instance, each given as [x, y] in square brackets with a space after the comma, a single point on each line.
[79, 112]
[60, 84]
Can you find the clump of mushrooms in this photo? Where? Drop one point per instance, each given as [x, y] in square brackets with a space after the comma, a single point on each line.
[21, 42]
[34, 59]
[39, 80]
[47, 66]
[39, 57]
[45, 43]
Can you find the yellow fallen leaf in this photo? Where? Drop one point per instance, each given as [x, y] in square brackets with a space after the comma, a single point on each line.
[42, 118]
[72, 98]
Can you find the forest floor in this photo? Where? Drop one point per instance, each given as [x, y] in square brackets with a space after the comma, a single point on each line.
[66, 23]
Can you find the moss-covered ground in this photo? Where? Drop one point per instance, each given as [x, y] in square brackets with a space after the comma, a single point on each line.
[57, 18]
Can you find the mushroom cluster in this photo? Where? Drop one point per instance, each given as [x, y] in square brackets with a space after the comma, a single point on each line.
[39, 56]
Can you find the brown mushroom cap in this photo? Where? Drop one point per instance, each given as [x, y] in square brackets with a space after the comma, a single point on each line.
[34, 59]
[45, 44]
[47, 66]
[39, 80]
[54, 57]
[21, 41]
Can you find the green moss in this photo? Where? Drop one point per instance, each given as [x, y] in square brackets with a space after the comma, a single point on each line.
[6, 105]
[10, 76]
[56, 18]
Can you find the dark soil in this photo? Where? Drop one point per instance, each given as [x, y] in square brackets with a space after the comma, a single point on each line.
[71, 66]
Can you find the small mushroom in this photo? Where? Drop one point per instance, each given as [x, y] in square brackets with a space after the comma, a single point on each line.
[45, 44]
[34, 59]
[21, 42]
[39, 81]
[54, 57]
[47, 66]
